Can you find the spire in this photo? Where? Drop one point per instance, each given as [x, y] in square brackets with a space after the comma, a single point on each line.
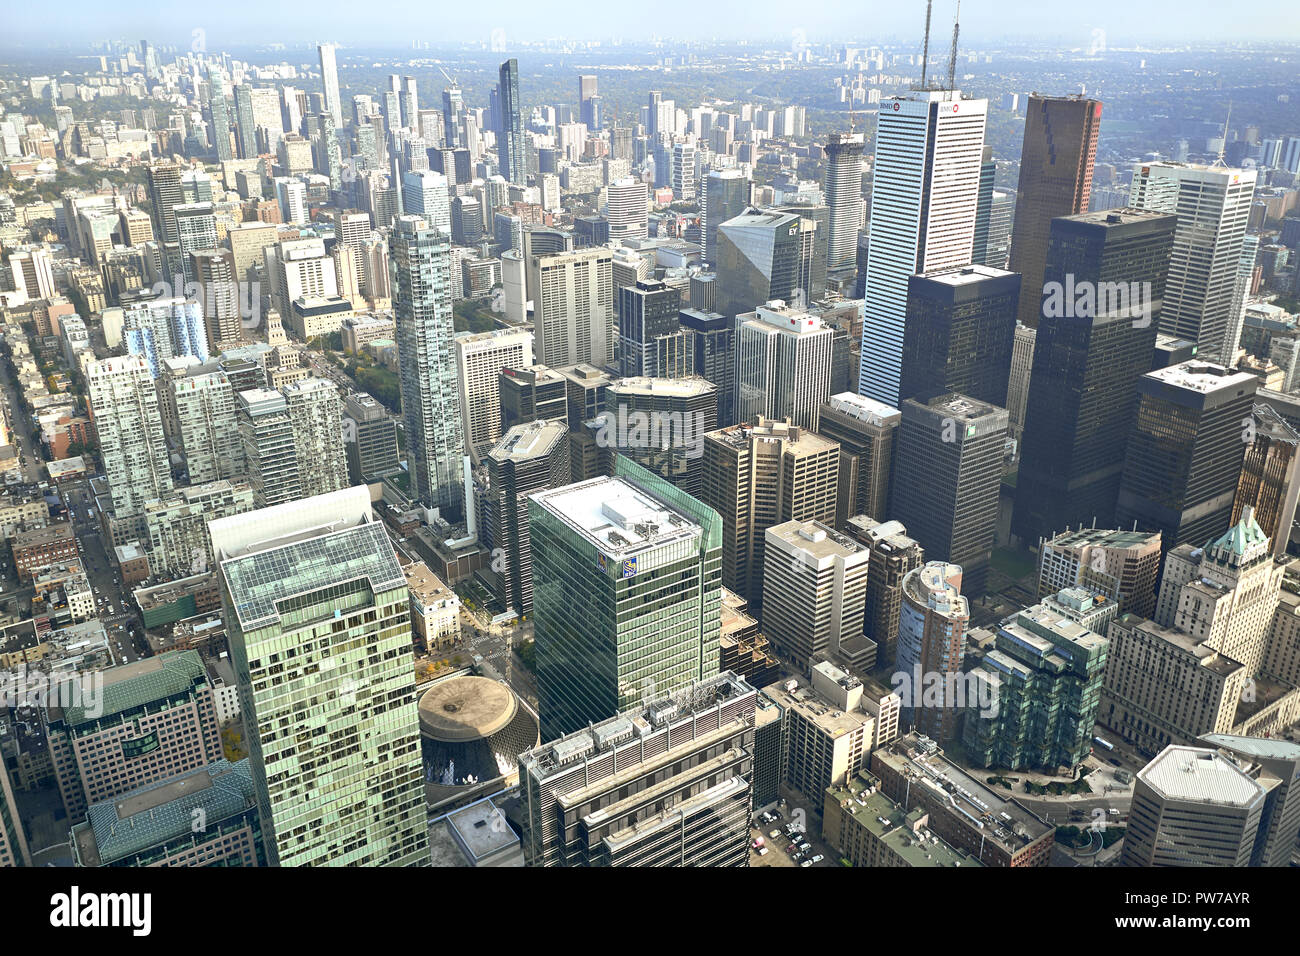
[1223, 143]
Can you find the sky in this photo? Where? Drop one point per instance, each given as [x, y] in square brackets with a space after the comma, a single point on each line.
[396, 22]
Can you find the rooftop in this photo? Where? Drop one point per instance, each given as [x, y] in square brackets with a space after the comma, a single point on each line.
[616, 516]
[902, 832]
[529, 440]
[1202, 776]
[465, 708]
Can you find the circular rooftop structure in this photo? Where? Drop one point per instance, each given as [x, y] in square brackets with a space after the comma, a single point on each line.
[465, 708]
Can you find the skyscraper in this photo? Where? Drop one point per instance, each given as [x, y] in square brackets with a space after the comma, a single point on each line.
[1105, 282]
[316, 416]
[627, 584]
[866, 432]
[1185, 451]
[924, 198]
[480, 357]
[960, 333]
[707, 339]
[762, 256]
[647, 312]
[573, 307]
[124, 404]
[893, 555]
[424, 193]
[932, 641]
[422, 293]
[219, 110]
[511, 145]
[660, 424]
[336, 763]
[947, 476]
[626, 209]
[1212, 204]
[208, 426]
[329, 74]
[1056, 160]
[452, 106]
[843, 188]
[1270, 476]
[269, 446]
[726, 196]
[783, 365]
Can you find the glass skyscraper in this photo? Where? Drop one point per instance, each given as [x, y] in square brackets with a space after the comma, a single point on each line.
[420, 267]
[510, 141]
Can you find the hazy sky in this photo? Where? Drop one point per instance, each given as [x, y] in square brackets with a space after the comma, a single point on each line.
[397, 22]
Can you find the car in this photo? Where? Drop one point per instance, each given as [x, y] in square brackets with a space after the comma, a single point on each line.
[774, 834]
[806, 863]
[818, 858]
[792, 850]
[758, 841]
[805, 847]
[762, 851]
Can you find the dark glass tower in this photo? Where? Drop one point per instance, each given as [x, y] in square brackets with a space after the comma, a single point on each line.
[959, 333]
[510, 141]
[647, 312]
[1094, 341]
[1185, 452]
[709, 345]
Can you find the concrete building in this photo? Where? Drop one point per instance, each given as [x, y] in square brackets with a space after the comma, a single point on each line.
[316, 417]
[480, 357]
[870, 830]
[1122, 565]
[128, 424]
[931, 648]
[270, 446]
[177, 525]
[893, 555]
[865, 431]
[573, 307]
[783, 365]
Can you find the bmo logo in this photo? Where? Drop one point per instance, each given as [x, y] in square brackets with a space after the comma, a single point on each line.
[896, 106]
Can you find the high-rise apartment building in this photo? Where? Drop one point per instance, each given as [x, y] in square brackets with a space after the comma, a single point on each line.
[865, 431]
[760, 475]
[329, 75]
[176, 526]
[1185, 451]
[627, 209]
[1213, 206]
[208, 426]
[420, 257]
[270, 447]
[333, 728]
[220, 296]
[843, 188]
[573, 307]
[1056, 161]
[960, 334]
[924, 198]
[1105, 275]
[931, 645]
[316, 417]
[627, 588]
[480, 357]
[947, 476]
[124, 406]
[783, 365]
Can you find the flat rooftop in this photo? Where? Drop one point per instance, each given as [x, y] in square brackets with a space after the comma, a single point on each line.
[616, 516]
[901, 831]
[529, 440]
[1200, 776]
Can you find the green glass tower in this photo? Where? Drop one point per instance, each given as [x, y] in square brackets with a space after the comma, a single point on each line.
[318, 619]
[627, 592]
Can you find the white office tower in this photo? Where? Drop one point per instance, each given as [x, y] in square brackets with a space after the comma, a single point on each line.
[683, 171]
[1213, 208]
[208, 426]
[317, 614]
[480, 357]
[783, 365]
[1240, 296]
[424, 193]
[924, 194]
[627, 209]
[514, 276]
[329, 74]
[124, 403]
[574, 307]
[843, 189]
[316, 416]
[291, 194]
[298, 268]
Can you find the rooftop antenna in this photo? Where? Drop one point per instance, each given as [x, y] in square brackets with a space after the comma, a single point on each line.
[1223, 143]
[925, 50]
[952, 56]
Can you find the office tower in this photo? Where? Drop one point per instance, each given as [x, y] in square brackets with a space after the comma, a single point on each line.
[163, 181]
[924, 194]
[865, 430]
[369, 439]
[707, 342]
[530, 394]
[1213, 205]
[660, 424]
[208, 426]
[947, 476]
[336, 764]
[296, 269]
[422, 294]
[452, 106]
[33, 273]
[1022, 364]
[466, 221]
[587, 92]
[585, 388]
[157, 718]
[528, 458]
[196, 229]
[814, 592]
[291, 195]
[626, 208]
[893, 555]
[219, 110]
[156, 825]
[573, 307]
[1195, 807]
[410, 103]
[176, 526]
[1104, 283]
[511, 144]
[424, 193]
[270, 447]
[480, 357]
[328, 154]
[1045, 672]
[14, 850]
[668, 784]
[1270, 475]
[783, 365]
[843, 188]
[683, 172]
[757, 476]
[726, 196]
[1122, 565]
[124, 405]
[316, 416]
[214, 271]
[653, 110]
[1185, 451]
[1268, 760]
[245, 122]
[959, 334]
[931, 643]
[647, 312]
[764, 256]
[1056, 160]
[984, 209]
[626, 595]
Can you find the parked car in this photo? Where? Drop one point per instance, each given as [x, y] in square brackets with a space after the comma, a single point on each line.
[806, 863]
[818, 858]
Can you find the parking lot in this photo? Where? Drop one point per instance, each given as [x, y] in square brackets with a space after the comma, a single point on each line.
[785, 843]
